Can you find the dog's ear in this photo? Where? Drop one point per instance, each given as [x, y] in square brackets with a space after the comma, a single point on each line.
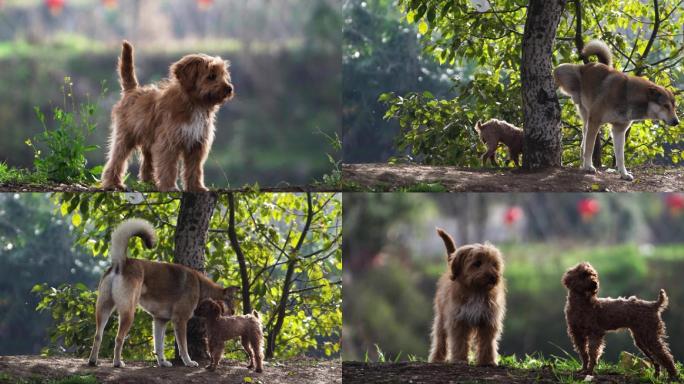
[457, 260]
[231, 292]
[186, 70]
[478, 125]
[655, 95]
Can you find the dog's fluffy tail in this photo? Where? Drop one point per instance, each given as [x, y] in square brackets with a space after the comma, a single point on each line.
[599, 49]
[129, 228]
[449, 242]
[126, 68]
[663, 301]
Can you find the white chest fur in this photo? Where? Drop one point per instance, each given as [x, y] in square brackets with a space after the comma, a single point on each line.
[475, 311]
[199, 129]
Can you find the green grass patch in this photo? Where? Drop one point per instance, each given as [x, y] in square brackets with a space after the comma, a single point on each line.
[6, 378]
[424, 187]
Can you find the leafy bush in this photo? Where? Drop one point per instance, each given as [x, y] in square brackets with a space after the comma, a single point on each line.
[63, 157]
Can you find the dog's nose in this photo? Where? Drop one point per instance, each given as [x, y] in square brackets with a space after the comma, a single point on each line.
[492, 280]
[229, 89]
[674, 122]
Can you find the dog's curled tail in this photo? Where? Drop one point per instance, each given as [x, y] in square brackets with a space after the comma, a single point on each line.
[599, 49]
[129, 228]
[663, 301]
[449, 242]
[126, 68]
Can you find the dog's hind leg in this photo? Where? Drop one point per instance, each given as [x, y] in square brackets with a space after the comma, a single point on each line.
[661, 353]
[125, 322]
[146, 173]
[618, 132]
[438, 350]
[248, 349]
[180, 327]
[103, 310]
[159, 329]
[117, 162]
[591, 131]
[639, 342]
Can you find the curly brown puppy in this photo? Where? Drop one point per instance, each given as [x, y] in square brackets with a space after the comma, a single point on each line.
[469, 304]
[223, 328]
[589, 318]
[168, 121]
[495, 131]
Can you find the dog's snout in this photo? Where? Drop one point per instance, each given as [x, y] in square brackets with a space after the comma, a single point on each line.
[593, 285]
[674, 122]
[229, 89]
[492, 279]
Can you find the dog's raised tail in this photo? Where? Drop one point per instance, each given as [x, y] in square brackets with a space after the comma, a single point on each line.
[663, 301]
[449, 242]
[129, 228]
[126, 68]
[599, 49]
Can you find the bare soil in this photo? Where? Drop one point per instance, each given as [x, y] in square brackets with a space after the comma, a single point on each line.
[423, 373]
[387, 177]
[290, 371]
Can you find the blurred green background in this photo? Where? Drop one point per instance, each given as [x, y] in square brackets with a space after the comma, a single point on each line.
[393, 258]
[286, 68]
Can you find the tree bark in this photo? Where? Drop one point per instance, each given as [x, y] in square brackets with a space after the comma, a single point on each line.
[542, 113]
[232, 235]
[287, 284]
[190, 241]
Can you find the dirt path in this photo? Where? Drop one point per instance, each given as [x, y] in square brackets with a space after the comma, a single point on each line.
[286, 372]
[388, 177]
[422, 373]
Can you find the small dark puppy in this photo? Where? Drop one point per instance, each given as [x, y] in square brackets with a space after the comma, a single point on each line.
[589, 318]
[494, 131]
[223, 328]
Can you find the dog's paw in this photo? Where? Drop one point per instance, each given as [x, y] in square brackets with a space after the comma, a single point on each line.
[627, 176]
[191, 363]
[210, 367]
[165, 364]
[119, 364]
[589, 168]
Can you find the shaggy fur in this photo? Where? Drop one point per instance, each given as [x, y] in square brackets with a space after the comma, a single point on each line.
[223, 328]
[603, 94]
[496, 131]
[169, 121]
[469, 304]
[589, 318]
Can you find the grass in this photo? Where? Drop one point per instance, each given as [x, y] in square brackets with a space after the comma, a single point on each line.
[561, 367]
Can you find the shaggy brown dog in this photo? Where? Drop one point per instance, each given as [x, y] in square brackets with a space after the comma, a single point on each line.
[469, 304]
[590, 317]
[495, 131]
[169, 121]
[223, 328]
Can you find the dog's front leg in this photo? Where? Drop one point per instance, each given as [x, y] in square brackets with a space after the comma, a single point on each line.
[159, 329]
[591, 131]
[193, 168]
[180, 330]
[595, 352]
[459, 342]
[580, 342]
[487, 345]
[618, 132]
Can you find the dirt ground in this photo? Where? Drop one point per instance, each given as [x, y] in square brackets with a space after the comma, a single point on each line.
[422, 373]
[388, 177]
[285, 372]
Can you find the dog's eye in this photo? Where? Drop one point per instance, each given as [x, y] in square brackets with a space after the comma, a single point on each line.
[477, 264]
[211, 77]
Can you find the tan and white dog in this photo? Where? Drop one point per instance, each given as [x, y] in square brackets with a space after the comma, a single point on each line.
[603, 94]
[168, 292]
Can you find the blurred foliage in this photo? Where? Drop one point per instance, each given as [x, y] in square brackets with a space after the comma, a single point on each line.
[634, 241]
[35, 246]
[483, 52]
[268, 226]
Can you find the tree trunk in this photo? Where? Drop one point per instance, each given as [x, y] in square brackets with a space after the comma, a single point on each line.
[232, 235]
[190, 240]
[542, 113]
[287, 284]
